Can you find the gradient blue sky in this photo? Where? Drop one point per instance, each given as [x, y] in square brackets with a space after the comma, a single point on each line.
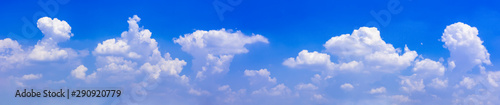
[290, 26]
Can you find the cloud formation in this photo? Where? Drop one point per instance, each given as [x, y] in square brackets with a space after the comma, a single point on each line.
[55, 31]
[366, 46]
[135, 53]
[11, 54]
[466, 48]
[360, 63]
[214, 50]
[365, 53]
[346, 86]
[80, 73]
[259, 76]
[306, 58]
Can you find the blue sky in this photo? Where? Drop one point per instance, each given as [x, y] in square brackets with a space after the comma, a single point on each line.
[259, 52]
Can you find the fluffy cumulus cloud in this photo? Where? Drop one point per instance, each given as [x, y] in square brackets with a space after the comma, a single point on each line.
[10, 54]
[213, 50]
[365, 53]
[54, 31]
[411, 85]
[468, 83]
[14, 56]
[362, 51]
[263, 76]
[35, 65]
[112, 46]
[466, 48]
[198, 92]
[31, 76]
[400, 98]
[80, 73]
[306, 58]
[439, 83]
[477, 89]
[428, 67]
[424, 70]
[494, 78]
[378, 90]
[259, 76]
[346, 86]
[308, 86]
[367, 47]
[136, 43]
[278, 90]
[360, 63]
[26, 79]
[166, 66]
[132, 54]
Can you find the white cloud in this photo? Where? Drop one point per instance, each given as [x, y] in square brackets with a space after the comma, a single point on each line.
[401, 98]
[280, 89]
[20, 81]
[224, 88]
[360, 43]
[112, 46]
[479, 90]
[8, 44]
[347, 86]
[79, 73]
[167, 66]
[451, 65]
[115, 64]
[57, 82]
[259, 76]
[423, 70]
[217, 42]
[438, 83]
[11, 54]
[215, 65]
[494, 78]
[411, 84]
[307, 59]
[213, 50]
[317, 96]
[468, 83]
[198, 92]
[55, 31]
[31, 76]
[466, 49]
[135, 43]
[378, 90]
[367, 47]
[316, 78]
[45, 53]
[362, 51]
[428, 67]
[134, 53]
[365, 52]
[351, 66]
[390, 61]
[229, 96]
[303, 86]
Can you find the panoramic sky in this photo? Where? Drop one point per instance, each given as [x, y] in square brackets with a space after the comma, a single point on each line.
[253, 52]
